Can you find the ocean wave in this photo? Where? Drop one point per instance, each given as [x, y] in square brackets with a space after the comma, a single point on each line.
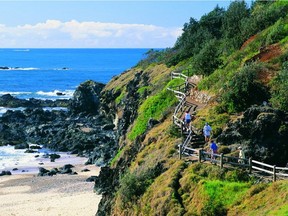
[18, 68]
[14, 93]
[21, 50]
[55, 108]
[63, 68]
[65, 94]
[5, 109]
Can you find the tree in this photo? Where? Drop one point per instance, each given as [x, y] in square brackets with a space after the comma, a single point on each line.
[279, 88]
[207, 60]
[233, 19]
[244, 90]
[213, 21]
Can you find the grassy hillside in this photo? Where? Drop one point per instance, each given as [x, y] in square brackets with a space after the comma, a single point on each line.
[246, 69]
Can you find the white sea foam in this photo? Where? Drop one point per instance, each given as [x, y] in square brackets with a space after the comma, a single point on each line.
[5, 109]
[55, 108]
[14, 93]
[21, 50]
[11, 158]
[55, 93]
[20, 68]
[28, 68]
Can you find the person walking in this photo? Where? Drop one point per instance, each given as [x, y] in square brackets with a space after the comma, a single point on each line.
[214, 149]
[187, 120]
[241, 159]
[207, 132]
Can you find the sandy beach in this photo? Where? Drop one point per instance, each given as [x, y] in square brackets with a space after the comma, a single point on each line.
[26, 194]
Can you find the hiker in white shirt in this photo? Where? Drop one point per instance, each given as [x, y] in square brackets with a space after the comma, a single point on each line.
[207, 132]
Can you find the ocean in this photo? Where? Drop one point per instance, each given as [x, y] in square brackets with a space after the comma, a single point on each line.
[41, 73]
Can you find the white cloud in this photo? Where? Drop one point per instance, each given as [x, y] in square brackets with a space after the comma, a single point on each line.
[74, 34]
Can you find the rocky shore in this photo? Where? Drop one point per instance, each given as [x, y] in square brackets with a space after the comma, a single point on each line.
[83, 129]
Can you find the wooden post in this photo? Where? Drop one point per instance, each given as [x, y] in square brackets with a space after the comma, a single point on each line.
[274, 173]
[180, 153]
[250, 165]
[221, 160]
[199, 156]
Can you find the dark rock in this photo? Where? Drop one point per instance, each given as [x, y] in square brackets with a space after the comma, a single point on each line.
[67, 166]
[152, 123]
[35, 147]
[86, 98]
[5, 173]
[85, 170]
[59, 93]
[91, 179]
[43, 171]
[53, 157]
[66, 169]
[21, 146]
[8, 100]
[30, 151]
[108, 127]
[262, 132]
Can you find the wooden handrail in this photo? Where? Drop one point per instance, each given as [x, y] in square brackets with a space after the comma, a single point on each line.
[263, 164]
[220, 159]
[178, 75]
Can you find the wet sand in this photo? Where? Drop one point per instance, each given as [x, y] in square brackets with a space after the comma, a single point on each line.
[26, 194]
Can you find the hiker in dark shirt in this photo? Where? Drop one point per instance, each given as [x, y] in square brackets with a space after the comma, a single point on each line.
[214, 149]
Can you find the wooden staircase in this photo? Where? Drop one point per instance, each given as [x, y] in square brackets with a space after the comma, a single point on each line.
[193, 140]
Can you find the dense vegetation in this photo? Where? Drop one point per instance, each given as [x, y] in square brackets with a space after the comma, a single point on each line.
[217, 55]
[242, 54]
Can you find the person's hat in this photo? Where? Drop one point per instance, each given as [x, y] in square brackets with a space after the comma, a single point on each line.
[239, 147]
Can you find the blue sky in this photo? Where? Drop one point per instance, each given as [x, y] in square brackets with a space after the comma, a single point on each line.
[97, 24]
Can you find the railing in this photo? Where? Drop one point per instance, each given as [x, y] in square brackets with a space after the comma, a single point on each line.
[178, 75]
[270, 169]
[182, 97]
[221, 159]
[185, 143]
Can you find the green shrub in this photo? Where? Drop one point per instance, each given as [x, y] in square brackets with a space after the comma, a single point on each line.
[143, 90]
[279, 88]
[221, 195]
[116, 157]
[154, 107]
[224, 150]
[237, 175]
[120, 97]
[133, 185]
[174, 131]
[212, 208]
[207, 171]
[174, 83]
[207, 60]
[257, 189]
[277, 32]
[243, 90]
